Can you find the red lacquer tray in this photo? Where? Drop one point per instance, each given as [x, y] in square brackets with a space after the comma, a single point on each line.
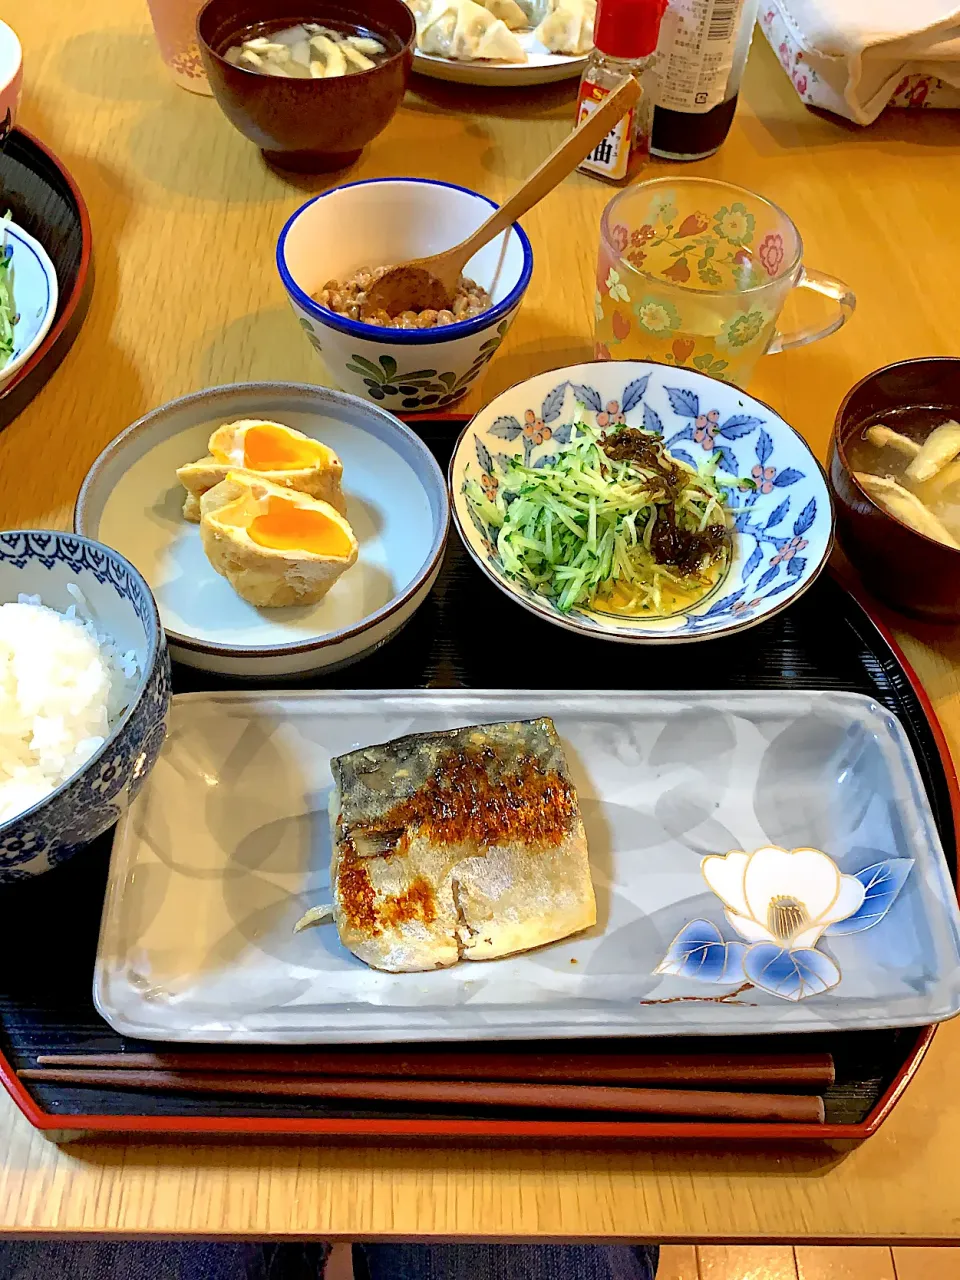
[825, 640]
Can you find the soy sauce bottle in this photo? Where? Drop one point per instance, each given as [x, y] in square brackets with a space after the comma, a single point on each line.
[701, 54]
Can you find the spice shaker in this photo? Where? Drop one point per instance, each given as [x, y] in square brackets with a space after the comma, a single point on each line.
[701, 53]
[625, 43]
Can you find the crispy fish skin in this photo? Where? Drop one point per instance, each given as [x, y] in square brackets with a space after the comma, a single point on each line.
[462, 845]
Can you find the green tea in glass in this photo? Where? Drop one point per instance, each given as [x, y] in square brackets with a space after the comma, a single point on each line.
[694, 272]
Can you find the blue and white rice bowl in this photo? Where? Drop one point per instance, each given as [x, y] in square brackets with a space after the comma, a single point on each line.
[121, 606]
[382, 222]
[782, 510]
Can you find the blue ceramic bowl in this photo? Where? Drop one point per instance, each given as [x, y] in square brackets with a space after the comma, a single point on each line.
[379, 222]
[780, 505]
[87, 804]
[35, 295]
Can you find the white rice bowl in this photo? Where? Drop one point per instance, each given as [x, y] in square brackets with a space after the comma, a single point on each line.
[63, 687]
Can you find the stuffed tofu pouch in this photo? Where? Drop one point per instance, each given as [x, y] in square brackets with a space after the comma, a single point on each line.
[275, 546]
[267, 449]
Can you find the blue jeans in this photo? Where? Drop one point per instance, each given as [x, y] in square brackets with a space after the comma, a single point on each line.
[505, 1262]
[182, 1260]
[158, 1260]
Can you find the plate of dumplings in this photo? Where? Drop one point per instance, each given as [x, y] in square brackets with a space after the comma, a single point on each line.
[283, 529]
[502, 43]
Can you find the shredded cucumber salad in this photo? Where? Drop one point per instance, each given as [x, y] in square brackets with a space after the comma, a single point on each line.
[8, 311]
[583, 523]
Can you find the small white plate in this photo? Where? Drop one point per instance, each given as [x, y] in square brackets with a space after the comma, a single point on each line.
[229, 843]
[541, 67]
[396, 502]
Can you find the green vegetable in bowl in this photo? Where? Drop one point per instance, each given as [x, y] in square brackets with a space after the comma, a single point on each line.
[612, 522]
[8, 311]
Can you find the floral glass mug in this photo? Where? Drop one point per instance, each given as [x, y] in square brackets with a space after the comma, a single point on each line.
[694, 272]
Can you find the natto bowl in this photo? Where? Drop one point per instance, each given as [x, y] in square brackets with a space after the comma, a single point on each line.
[42, 563]
[378, 223]
[906, 569]
[307, 125]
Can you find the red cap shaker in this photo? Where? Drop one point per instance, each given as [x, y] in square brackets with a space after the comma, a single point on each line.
[628, 28]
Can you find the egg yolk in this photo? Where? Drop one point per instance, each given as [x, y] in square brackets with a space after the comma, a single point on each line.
[289, 527]
[268, 448]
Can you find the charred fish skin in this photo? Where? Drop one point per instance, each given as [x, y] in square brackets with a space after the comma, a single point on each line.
[377, 780]
[459, 844]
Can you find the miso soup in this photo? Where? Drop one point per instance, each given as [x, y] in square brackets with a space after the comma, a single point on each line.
[307, 51]
[908, 461]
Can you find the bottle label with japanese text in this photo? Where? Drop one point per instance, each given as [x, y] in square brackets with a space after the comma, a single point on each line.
[611, 156]
[695, 53]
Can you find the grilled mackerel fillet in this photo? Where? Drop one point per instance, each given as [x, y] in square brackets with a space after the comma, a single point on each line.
[461, 845]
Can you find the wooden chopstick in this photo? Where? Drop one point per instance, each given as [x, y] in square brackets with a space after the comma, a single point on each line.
[690, 1103]
[803, 1072]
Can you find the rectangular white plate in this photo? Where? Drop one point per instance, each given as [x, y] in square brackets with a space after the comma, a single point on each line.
[229, 843]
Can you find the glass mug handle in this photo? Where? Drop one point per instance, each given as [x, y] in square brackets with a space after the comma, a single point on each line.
[828, 287]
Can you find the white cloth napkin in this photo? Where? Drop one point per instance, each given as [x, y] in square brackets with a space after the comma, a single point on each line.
[856, 56]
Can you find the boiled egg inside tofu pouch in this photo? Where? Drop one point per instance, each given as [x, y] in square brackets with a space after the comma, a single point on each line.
[268, 449]
[275, 546]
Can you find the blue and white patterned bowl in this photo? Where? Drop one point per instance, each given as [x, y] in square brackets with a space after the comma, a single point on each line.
[783, 512]
[34, 294]
[88, 803]
[380, 222]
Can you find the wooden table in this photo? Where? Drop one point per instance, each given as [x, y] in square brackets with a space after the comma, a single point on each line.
[185, 218]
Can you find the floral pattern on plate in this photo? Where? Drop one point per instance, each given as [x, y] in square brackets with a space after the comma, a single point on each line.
[781, 903]
[778, 497]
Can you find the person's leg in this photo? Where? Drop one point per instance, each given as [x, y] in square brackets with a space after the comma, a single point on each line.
[159, 1260]
[505, 1262]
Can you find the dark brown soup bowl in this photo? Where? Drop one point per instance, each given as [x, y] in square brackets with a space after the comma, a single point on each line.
[913, 573]
[309, 125]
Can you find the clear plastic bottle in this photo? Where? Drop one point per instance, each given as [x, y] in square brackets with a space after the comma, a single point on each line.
[701, 54]
[625, 45]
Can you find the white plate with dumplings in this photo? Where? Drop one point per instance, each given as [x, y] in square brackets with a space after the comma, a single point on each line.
[542, 67]
[458, 44]
[222, 585]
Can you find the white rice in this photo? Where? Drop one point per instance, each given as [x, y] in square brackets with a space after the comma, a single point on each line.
[62, 688]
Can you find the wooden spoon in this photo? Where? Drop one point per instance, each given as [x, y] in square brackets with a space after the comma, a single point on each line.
[431, 282]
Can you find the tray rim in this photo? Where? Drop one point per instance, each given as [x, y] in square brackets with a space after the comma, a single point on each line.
[79, 295]
[510, 1131]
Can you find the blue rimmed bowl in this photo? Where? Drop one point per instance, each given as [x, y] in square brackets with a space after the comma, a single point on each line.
[781, 510]
[378, 223]
[35, 294]
[37, 562]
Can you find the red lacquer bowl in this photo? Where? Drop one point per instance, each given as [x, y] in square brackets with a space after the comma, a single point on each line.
[907, 570]
[308, 125]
